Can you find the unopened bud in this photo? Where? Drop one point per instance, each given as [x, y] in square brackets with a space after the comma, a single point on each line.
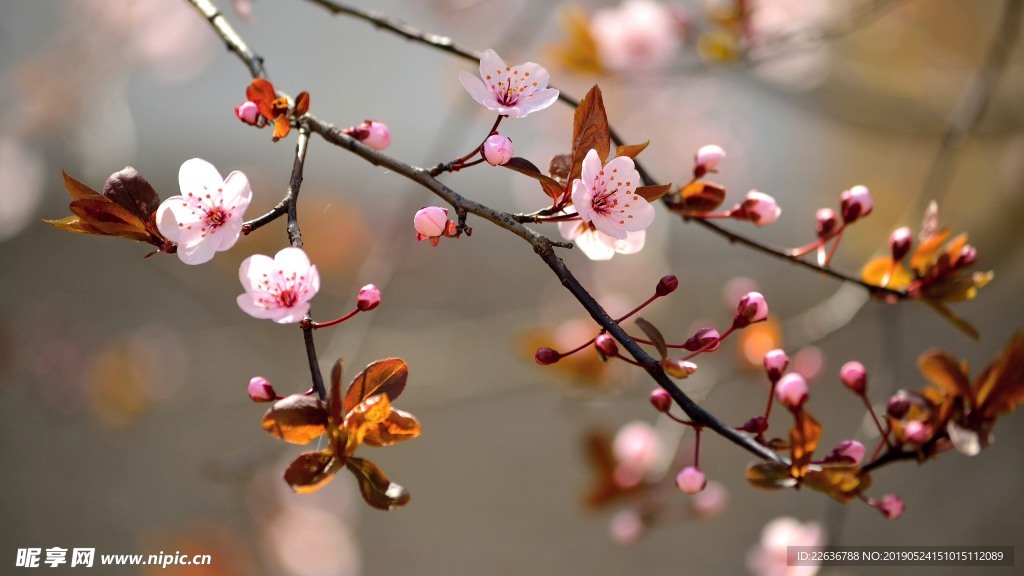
[891, 506]
[918, 432]
[825, 222]
[691, 480]
[900, 242]
[848, 451]
[968, 255]
[855, 203]
[897, 406]
[248, 112]
[498, 150]
[707, 159]
[369, 298]
[705, 337]
[374, 134]
[775, 363]
[791, 391]
[661, 400]
[666, 285]
[759, 208]
[545, 356]
[430, 222]
[260, 390]
[752, 308]
[854, 377]
[606, 344]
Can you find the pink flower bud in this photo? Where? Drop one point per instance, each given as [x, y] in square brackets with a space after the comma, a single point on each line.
[891, 506]
[897, 406]
[260, 390]
[706, 160]
[691, 480]
[848, 450]
[775, 363]
[708, 337]
[855, 203]
[918, 432]
[369, 297]
[900, 242]
[759, 208]
[791, 391]
[968, 255]
[666, 285]
[825, 222]
[498, 150]
[661, 400]
[752, 308]
[248, 112]
[430, 222]
[854, 377]
[545, 356]
[606, 344]
[372, 133]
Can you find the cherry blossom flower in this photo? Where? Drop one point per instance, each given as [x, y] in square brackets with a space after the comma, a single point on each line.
[775, 363]
[605, 196]
[769, 557]
[891, 506]
[207, 217]
[278, 288]
[639, 35]
[498, 150]
[849, 450]
[509, 90]
[597, 245]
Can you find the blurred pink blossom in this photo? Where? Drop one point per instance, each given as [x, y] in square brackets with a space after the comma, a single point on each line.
[769, 557]
[638, 35]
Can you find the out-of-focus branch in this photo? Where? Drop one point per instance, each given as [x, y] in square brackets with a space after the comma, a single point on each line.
[231, 38]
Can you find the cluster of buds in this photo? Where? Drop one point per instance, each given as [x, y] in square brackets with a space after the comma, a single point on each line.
[854, 204]
[699, 199]
[263, 106]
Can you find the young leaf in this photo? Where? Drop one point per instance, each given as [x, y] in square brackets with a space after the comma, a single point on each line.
[297, 419]
[701, 196]
[877, 269]
[551, 186]
[654, 334]
[559, 167]
[386, 376]
[398, 426]
[365, 416]
[652, 193]
[129, 189]
[803, 438]
[770, 476]
[334, 402]
[945, 372]
[310, 471]
[377, 490]
[842, 482]
[302, 103]
[631, 150]
[589, 131]
[1000, 388]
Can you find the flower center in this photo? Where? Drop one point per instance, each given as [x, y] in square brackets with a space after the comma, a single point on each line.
[510, 95]
[216, 217]
[287, 298]
[605, 202]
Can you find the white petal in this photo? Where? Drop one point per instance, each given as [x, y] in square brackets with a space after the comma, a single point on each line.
[623, 171]
[292, 259]
[237, 192]
[539, 100]
[595, 245]
[250, 307]
[490, 62]
[637, 216]
[571, 229]
[583, 199]
[252, 270]
[290, 315]
[227, 235]
[591, 169]
[193, 248]
[609, 227]
[633, 243]
[537, 74]
[167, 220]
[198, 176]
[478, 90]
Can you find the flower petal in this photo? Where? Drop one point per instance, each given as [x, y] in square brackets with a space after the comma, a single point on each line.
[633, 243]
[634, 214]
[198, 177]
[237, 192]
[538, 100]
[195, 248]
[491, 63]
[591, 169]
[478, 90]
[252, 271]
[596, 245]
[583, 199]
[167, 219]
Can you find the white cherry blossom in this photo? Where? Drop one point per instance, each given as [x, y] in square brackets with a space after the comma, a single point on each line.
[509, 90]
[606, 196]
[207, 217]
[278, 288]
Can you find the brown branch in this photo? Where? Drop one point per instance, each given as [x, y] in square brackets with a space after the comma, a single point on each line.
[231, 38]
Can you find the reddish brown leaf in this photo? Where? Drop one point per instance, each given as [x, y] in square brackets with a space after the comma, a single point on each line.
[652, 193]
[335, 401]
[74, 224]
[927, 251]
[589, 131]
[76, 189]
[631, 150]
[770, 476]
[398, 426]
[842, 482]
[1000, 388]
[655, 336]
[261, 93]
[298, 419]
[958, 322]
[945, 372]
[377, 490]
[365, 416]
[803, 439]
[551, 186]
[110, 218]
[312, 470]
[558, 168]
[129, 189]
[281, 127]
[701, 196]
[386, 376]
[302, 103]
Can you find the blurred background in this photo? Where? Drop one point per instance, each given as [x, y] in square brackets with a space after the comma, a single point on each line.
[124, 419]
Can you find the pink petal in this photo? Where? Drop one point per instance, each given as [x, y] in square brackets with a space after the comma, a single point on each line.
[539, 100]
[624, 173]
[591, 168]
[637, 214]
[198, 176]
[237, 192]
[478, 90]
[251, 272]
[633, 243]
[194, 248]
[490, 62]
[583, 199]
[167, 220]
[595, 245]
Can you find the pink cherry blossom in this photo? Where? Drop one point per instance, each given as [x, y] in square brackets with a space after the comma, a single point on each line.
[854, 376]
[639, 35]
[751, 308]
[498, 150]
[637, 449]
[374, 134]
[711, 501]
[509, 90]
[606, 196]
[769, 557]
[597, 245]
[260, 390]
[775, 363]
[848, 450]
[691, 480]
[207, 217]
[891, 506]
[278, 288]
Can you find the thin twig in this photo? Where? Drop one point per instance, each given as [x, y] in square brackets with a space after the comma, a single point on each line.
[231, 38]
